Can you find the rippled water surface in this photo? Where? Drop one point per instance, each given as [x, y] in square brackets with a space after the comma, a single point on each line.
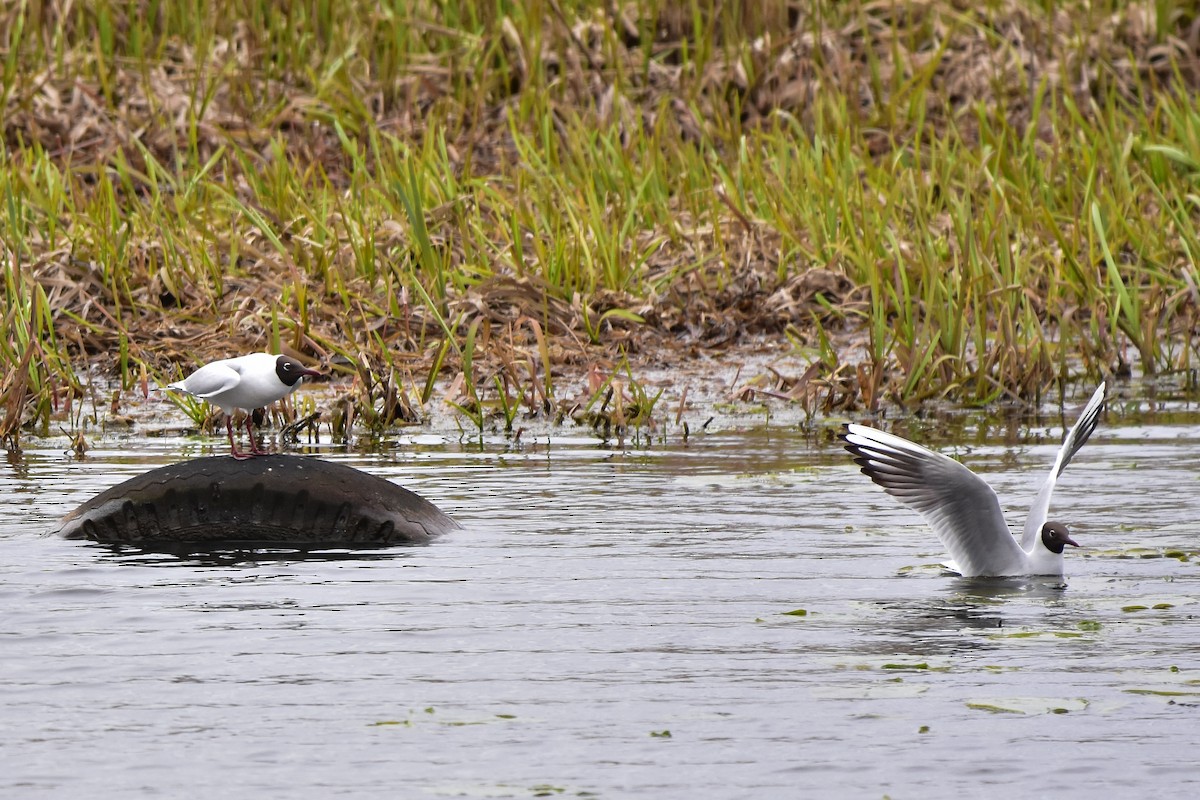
[740, 615]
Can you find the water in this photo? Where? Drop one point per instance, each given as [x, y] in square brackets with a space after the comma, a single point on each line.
[614, 624]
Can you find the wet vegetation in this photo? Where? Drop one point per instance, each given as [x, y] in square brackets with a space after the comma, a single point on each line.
[504, 205]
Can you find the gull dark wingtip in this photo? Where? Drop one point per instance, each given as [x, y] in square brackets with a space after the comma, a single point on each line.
[1088, 420]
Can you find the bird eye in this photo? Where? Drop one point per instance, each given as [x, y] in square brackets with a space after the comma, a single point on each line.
[287, 366]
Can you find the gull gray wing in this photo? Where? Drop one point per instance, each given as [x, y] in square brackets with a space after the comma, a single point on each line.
[1075, 439]
[211, 379]
[959, 505]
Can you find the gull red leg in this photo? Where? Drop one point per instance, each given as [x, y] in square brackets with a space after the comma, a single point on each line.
[232, 446]
[254, 448]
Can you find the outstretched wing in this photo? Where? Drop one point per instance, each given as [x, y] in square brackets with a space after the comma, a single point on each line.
[1076, 437]
[959, 505]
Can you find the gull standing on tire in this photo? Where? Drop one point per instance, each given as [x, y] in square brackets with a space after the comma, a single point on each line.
[246, 383]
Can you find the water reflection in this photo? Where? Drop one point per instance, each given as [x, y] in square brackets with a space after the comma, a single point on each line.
[189, 554]
[939, 615]
[992, 590]
[17, 464]
[967, 614]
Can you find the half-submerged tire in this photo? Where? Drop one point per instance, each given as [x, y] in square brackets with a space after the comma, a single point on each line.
[269, 501]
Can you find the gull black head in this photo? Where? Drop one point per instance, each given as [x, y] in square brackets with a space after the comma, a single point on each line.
[290, 371]
[1056, 536]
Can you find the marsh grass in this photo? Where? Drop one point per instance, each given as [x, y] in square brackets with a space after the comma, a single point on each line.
[933, 202]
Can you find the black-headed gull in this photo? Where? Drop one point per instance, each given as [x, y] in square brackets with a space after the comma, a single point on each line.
[962, 509]
[246, 383]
